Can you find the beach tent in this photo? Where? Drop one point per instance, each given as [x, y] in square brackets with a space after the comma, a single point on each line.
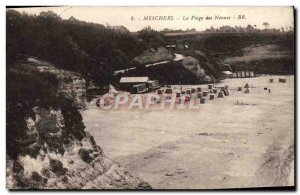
[193, 90]
[181, 99]
[238, 74]
[240, 88]
[247, 85]
[243, 74]
[247, 90]
[211, 96]
[215, 90]
[205, 93]
[221, 94]
[282, 80]
[210, 86]
[199, 89]
[202, 100]
[271, 80]
[169, 90]
[199, 95]
[247, 74]
[226, 92]
[160, 91]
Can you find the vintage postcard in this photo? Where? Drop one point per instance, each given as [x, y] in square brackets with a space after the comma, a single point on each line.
[143, 98]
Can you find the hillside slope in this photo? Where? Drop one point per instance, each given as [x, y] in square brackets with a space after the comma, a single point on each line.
[266, 58]
[270, 53]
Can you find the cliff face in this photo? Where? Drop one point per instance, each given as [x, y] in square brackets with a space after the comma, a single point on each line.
[201, 65]
[71, 84]
[78, 164]
[48, 147]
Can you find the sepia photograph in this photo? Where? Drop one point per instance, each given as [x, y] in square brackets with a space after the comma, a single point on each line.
[150, 98]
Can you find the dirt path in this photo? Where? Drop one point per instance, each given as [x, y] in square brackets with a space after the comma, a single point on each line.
[223, 145]
[177, 57]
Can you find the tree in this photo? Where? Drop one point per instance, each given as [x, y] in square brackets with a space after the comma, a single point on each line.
[152, 38]
[87, 48]
[266, 25]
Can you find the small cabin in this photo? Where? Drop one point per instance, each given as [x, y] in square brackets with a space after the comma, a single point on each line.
[227, 74]
[134, 84]
[170, 47]
[282, 80]
[247, 74]
[138, 84]
[139, 88]
[244, 74]
[238, 74]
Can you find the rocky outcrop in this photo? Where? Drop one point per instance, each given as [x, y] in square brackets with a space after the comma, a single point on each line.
[209, 65]
[200, 55]
[49, 162]
[194, 66]
[152, 56]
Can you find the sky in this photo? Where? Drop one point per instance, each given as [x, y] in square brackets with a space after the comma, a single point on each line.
[183, 17]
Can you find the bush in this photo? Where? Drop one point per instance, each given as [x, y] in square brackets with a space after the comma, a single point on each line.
[57, 167]
[85, 155]
[26, 90]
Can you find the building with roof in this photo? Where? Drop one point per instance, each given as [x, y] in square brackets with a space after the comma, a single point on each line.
[227, 74]
[134, 80]
[135, 84]
[244, 74]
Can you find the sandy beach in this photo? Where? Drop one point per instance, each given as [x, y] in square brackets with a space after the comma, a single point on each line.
[221, 145]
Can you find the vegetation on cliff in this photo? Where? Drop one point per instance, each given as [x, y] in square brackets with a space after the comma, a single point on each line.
[27, 90]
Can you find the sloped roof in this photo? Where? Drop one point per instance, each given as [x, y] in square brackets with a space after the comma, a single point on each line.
[227, 72]
[170, 45]
[134, 79]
